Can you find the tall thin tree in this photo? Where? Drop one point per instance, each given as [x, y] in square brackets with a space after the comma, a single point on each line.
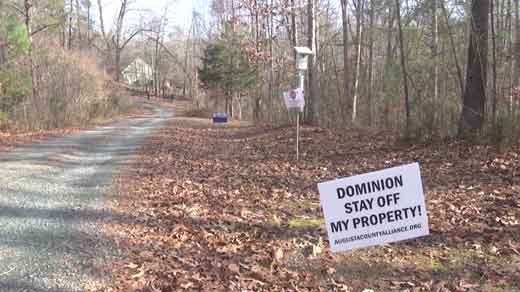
[494, 65]
[474, 99]
[403, 68]
[435, 46]
[346, 77]
[360, 5]
[312, 96]
[371, 63]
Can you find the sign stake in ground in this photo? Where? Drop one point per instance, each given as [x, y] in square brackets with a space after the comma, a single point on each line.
[297, 135]
[374, 208]
[295, 98]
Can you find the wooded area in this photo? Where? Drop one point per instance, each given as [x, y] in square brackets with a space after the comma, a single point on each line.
[420, 67]
[411, 113]
[49, 69]
[386, 64]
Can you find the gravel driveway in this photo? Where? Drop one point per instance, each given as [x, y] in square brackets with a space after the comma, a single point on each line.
[51, 196]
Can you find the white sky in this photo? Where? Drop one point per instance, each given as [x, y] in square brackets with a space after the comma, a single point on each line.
[180, 11]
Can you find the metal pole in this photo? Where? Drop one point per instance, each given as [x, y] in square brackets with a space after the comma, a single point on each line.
[302, 84]
[297, 135]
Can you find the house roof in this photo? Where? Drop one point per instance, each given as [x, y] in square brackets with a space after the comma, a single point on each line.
[137, 62]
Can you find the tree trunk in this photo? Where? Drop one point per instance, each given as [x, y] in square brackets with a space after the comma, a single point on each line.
[435, 45]
[511, 52]
[28, 6]
[453, 49]
[28, 10]
[257, 27]
[389, 56]
[294, 30]
[78, 22]
[359, 36]
[156, 65]
[271, 81]
[3, 55]
[89, 21]
[516, 54]
[403, 67]
[239, 103]
[371, 63]
[346, 79]
[118, 64]
[101, 21]
[118, 44]
[494, 68]
[71, 11]
[312, 96]
[474, 100]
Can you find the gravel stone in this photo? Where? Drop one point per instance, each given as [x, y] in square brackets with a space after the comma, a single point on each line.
[51, 198]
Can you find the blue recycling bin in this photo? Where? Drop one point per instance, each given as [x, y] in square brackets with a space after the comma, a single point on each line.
[220, 117]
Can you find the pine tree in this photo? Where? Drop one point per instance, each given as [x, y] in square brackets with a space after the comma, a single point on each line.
[226, 66]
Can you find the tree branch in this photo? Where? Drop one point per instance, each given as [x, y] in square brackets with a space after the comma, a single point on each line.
[132, 36]
[17, 8]
[44, 27]
[171, 54]
[101, 22]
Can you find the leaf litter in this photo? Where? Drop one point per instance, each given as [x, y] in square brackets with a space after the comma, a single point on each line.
[228, 209]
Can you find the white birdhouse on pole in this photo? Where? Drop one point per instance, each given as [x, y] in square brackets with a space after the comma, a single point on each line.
[302, 57]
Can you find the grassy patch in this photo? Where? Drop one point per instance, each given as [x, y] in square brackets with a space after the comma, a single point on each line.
[445, 261]
[494, 286]
[306, 222]
[434, 263]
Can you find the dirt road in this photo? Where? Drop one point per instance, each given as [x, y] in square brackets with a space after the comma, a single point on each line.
[51, 197]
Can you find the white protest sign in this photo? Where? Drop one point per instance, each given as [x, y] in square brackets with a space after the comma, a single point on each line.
[374, 208]
[294, 98]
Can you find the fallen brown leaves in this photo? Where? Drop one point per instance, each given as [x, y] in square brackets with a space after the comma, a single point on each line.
[9, 141]
[227, 209]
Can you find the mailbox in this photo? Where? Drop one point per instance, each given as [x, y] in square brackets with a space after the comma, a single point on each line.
[220, 117]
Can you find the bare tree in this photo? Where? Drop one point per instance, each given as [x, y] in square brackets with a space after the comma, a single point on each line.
[403, 68]
[119, 39]
[312, 97]
[294, 31]
[453, 48]
[121, 35]
[346, 79]
[88, 4]
[371, 63]
[159, 31]
[494, 65]
[78, 23]
[28, 13]
[101, 20]
[435, 49]
[71, 11]
[474, 100]
[360, 5]
[516, 51]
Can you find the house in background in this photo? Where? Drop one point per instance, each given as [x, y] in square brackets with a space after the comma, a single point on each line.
[138, 73]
